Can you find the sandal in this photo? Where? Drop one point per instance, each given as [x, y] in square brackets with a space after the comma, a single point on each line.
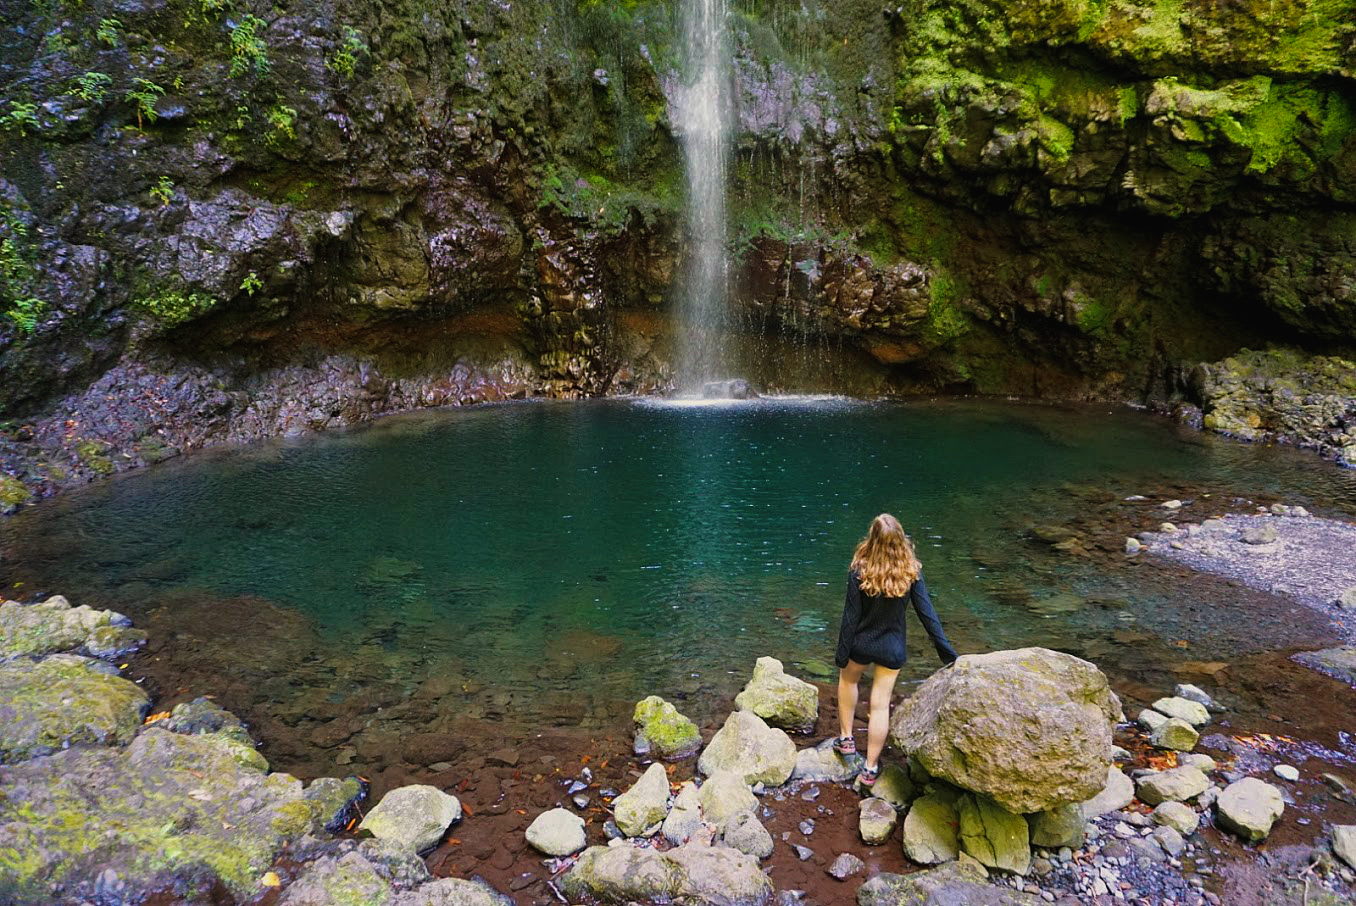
[868, 775]
[845, 745]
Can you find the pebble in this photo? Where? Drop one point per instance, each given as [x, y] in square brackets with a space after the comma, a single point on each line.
[577, 786]
[807, 827]
[580, 801]
[1286, 772]
[811, 794]
[845, 866]
[804, 853]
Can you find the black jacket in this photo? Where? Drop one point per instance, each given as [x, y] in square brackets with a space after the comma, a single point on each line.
[873, 626]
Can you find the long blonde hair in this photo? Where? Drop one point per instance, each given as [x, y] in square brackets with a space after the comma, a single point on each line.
[885, 560]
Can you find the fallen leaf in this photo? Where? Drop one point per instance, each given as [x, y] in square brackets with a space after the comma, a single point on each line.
[520, 811]
[466, 809]
[586, 759]
[271, 879]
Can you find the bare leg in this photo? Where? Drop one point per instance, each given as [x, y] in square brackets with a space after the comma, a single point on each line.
[848, 678]
[878, 723]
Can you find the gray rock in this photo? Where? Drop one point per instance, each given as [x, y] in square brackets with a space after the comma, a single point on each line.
[803, 853]
[1176, 734]
[1150, 719]
[703, 874]
[1063, 825]
[747, 834]
[894, 785]
[876, 820]
[1173, 785]
[1133, 546]
[1264, 533]
[930, 828]
[1249, 807]
[453, 892]
[414, 817]
[845, 866]
[1347, 599]
[1286, 772]
[953, 884]
[1192, 712]
[1344, 843]
[1030, 728]
[993, 835]
[1336, 662]
[781, 700]
[1198, 760]
[60, 701]
[1194, 694]
[663, 732]
[685, 817]
[1179, 817]
[642, 809]
[761, 754]
[822, 764]
[1170, 840]
[1118, 792]
[557, 832]
[724, 795]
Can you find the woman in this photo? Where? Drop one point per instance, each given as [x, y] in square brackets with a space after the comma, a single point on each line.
[885, 571]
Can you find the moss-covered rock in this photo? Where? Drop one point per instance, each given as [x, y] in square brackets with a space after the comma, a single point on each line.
[168, 812]
[662, 731]
[62, 701]
[54, 625]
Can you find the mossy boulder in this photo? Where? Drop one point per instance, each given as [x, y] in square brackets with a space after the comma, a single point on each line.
[1029, 728]
[169, 811]
[347, 880]
[64, 700]
[54, 625]
[952, 883]
[663, 732]
[414, 817]
[781, 700]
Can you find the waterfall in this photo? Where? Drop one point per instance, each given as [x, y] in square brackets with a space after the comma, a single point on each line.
[703, 116]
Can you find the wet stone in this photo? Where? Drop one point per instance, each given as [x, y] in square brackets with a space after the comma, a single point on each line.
[845, 866]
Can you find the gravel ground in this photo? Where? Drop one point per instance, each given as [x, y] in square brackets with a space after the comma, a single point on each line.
[1283, 550]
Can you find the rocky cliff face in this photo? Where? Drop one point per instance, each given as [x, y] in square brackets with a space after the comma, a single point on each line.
[287, 216]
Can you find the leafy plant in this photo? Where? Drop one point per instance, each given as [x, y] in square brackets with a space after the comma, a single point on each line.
[242, 116]
[92, 87]
[283, 120]
[144, 96]
[173, 307]
[163, 190]
[251, 284]
[107, 32]
[17, 274]
[22, 115]
[344, 60]
[248, 50]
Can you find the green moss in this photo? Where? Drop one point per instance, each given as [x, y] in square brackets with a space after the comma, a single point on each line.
[172, 307]
[946, 322]
[13, 492]
[293, 818]
[94, 454]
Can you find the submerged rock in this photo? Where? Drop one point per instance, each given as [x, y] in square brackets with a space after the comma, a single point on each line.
[65, 700]
[781, 700]
[1030, 728]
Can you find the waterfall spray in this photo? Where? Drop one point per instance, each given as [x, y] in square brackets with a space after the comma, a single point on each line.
[703, 123]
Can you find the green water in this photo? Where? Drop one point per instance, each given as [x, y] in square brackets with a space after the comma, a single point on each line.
[551, 563]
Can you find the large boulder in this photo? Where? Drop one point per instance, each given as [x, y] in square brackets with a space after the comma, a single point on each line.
[993, 835]
[1249, 807]
[953, 884]
[414, 817]
[641, 809]
[714, 875]
[347, 878]
[65, 700]
[662, 732]
[781, 700]
[1029, 728]
[930, 828]
[747, 745]
[169, 811]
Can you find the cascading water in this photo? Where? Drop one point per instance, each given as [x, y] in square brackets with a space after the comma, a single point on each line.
[703, 119]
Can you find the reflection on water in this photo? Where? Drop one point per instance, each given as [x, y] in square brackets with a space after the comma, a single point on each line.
[552, 563]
